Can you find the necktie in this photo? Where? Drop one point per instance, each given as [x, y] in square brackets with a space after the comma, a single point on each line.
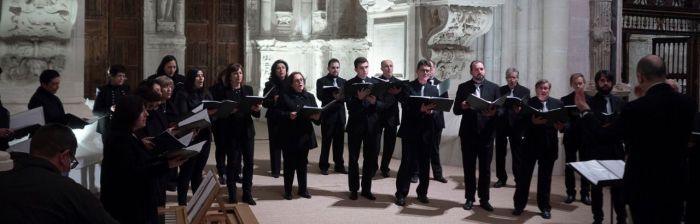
[511, 92]
[335, 83]
[544, 106]
[363, 81]
[477, 92]
[608, 107]
[422, 90]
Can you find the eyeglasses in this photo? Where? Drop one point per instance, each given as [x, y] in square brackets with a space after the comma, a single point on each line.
[73, 163]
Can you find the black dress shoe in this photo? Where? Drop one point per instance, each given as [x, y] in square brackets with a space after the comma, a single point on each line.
[276, 175]
[468, 205]
[414, 179]
[546, 215]
[517, 212]
[324, 172]
[222, 180]
[400, 201]
[569, 199]
[368, 195]
[305, 195]
[586, 199]
[353, 195]
[288, 196]
[249, 200]
[423, 199]
[385, 174]
[499, 184]
[341, 171]
[440, 179]
[486, 206]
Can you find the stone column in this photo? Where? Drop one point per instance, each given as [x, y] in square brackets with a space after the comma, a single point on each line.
[306, 18]
[534, 43]
[555, 51]
[265, 17]
[521, 42]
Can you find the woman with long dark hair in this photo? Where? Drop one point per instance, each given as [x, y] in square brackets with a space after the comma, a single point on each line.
[236, 134]
[129, 172]
[107, 97]
[302, 138]
[169, 67]
[186, 100]
[273, 88]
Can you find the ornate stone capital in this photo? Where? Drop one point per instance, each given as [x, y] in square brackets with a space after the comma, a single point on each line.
[448, 31]
[53, 19]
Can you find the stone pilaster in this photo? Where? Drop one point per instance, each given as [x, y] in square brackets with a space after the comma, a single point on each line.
[164, 33]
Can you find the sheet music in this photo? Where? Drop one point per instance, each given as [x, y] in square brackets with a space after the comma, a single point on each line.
[185, 140]
[196, 147]
[198, 108]
[201, 115]
[27, 118]
[594, 171]
[20, 145]
[617, 167]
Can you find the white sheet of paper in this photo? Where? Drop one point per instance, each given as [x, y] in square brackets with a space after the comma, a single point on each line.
[27, 118]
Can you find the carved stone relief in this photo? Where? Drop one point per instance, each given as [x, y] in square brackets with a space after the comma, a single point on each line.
[48, 18]
[318, 22]
[165, 15]
[448, 30]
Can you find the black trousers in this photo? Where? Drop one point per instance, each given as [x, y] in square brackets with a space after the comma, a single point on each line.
[693, 195]
[571, 150]
[435, 155]
[389, 132]
[366, 141]
[242, 150]
[191, 173]
[618, 199]
[471, 151]
[504, 136]
[544, 182]
[332, 134]
[412, 151]
[295, 160]
[656, 208]
[273, 131]
[221, 142]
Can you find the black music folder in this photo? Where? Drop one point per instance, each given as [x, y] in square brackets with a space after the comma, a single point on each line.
[559, 114]
[199, 120]
[224, 107]
[443, 104]
[26, 122]
[477, 103]
[75, 122]
[601, 172]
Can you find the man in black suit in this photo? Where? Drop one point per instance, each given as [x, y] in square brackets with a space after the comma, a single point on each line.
[507, 130]
[476, 133]
[440, 119]
[655, 129]
[573, 145]
[389, 117]
[45, 96]
[600, 144]
[540, 146]
[332, 118]
[418, 128]
[363, 130]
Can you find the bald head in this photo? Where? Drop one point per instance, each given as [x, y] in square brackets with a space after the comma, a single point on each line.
[652, 67]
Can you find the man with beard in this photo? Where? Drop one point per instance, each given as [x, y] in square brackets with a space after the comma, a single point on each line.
[332, 118]
[602, 145]
[476, 134]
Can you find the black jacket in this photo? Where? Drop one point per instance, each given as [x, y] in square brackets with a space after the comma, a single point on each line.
[506, 116]
[572, 130]
[53, 107]
[390, 115]
[440, 114]
[4, 123]
[602, 143]
[475, 126]
[414, 123]
[364, 116]
[300, 132]
[334, 113]
[540, 141]
[186, 101]
[107, 96]
[36, 192]
[130, 179]
[271, 90]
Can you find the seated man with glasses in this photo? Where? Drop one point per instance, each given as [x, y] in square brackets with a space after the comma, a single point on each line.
[37, 189]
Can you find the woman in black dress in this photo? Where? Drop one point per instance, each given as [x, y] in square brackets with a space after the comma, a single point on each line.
[185, 101]
[107, 97]
[273, 87]
[236, 134]
[129, 172]
[301, 136]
